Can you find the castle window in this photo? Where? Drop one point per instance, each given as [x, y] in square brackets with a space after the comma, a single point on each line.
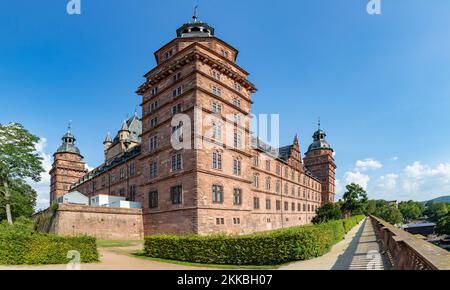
[216, 91]
[177, 109]
[153, 169]
[153, 106]
[278, 205]
[237, 87]
[154, 91]
[217, 193]
[217, 131]
[224, 53]
[309, 207]
[255, 161]
[237, 196]
[267, 165]
[237, 102]
[237, 140]
[286, 206]
[237, 119]
[286, 189]
[220, 221]
[176, 194]
[217, 161]
[299, 208]
[177, 132]
[216, 108]
[113, 177]
[293, 206]
[293, 190]
[268, 205]
[236, 167]
[176, 77]
[278, 169]
[154, 122]
[236, 221]
[168, 54]
[176, 162]
[256, 202]
[153, 199]
[216, 75]
[94, 186]
[132, 169]
[256, 181]
[267, 183]
[122, 173]
[278, 186]
[178, 91]
[132, 196]
[153, 144]
[304, 207]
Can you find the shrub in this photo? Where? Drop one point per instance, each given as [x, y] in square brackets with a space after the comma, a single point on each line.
[19, 245]
[267, 248]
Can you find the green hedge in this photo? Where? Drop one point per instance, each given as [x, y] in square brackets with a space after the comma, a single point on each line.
[268, 248]
[19, 245]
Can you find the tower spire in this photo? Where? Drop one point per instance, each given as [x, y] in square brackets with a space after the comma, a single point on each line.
[194, 14]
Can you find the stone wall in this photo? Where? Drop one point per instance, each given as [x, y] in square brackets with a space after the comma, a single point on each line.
[101, 222]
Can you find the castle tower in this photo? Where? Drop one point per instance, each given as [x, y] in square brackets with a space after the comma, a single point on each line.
[68, 167]
[319, 160]
[196, 75]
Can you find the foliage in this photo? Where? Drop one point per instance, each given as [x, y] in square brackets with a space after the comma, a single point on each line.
[436, 210]
[18, 161]
[20, 245]
[411, 210]
[443, 225]
[385, 211]
[22, 200]
[268, 248]
[327, 212]
[355, 200]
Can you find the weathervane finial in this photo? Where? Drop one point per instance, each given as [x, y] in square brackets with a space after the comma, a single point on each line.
[69, 125]
[319, 123]
[194, 17]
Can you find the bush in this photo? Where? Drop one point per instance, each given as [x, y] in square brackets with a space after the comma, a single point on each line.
[20, 245]
[268, 248]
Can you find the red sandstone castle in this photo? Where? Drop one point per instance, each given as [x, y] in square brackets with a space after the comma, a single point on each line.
[237, 187]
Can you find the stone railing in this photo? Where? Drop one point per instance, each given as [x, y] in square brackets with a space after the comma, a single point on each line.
[409, 252]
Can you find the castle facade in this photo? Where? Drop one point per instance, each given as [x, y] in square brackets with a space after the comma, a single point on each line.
[233, 183]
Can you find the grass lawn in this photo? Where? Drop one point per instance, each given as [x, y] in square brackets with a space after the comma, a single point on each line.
[242, 267]
[117, 244]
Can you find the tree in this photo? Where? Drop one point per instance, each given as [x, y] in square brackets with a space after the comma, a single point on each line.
[22, 200]
[411, 210]
[443, 225]
[355, 200]
[390, 213]
[18, 160]
[435, 210]
[327, 212]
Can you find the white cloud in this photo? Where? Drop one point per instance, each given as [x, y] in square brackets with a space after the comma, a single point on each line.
[387, 182]
[358, 178]
[43, 187]
[395, 158]
[368, 164]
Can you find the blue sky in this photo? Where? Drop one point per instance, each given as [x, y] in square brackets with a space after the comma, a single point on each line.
[380, 83]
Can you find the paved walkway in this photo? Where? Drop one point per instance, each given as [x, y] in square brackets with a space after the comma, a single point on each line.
[358, 251]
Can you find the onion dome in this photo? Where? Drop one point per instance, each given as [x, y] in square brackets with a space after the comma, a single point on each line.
[195, 28]
[68, 145]
[319, 141]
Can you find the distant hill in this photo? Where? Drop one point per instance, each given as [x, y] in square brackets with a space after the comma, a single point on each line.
[441, 199]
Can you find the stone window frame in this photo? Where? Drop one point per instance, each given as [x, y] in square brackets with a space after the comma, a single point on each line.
[237, 166]
[176, 194]
[153, 170]
[176, 162]
[237, 196]
[256, 202]
[153, 199]
[217, 191]
[217, 160]
[268, 203]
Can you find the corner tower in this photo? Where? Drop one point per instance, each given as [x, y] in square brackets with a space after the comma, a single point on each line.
[191, 189]
[68, 167]
[319, 160]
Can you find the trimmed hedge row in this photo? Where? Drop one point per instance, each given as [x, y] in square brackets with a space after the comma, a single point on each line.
[268, 248]
[21, 246]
